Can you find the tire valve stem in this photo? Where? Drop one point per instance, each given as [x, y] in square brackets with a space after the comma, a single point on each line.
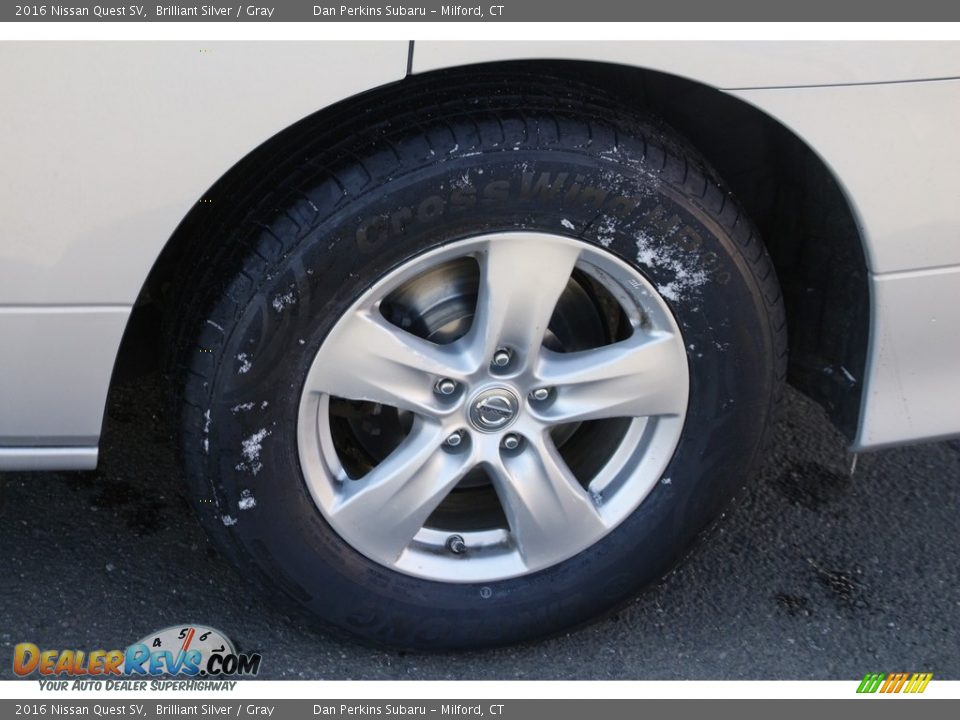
[456, 545]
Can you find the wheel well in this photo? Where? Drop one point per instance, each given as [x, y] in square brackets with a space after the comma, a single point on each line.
[804, 218]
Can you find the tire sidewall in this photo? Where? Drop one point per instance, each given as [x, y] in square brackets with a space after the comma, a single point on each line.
[616, 204]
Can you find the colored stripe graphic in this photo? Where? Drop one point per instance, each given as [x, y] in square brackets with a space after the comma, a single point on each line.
[918, 683]
[870, 683]
[898, 681]
[894, 683]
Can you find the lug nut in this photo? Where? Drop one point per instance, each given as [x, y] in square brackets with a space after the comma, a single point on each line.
[446, 386]
[455, 439]
[456, 545]
[540, 394]
[511, 442]
[501, 358]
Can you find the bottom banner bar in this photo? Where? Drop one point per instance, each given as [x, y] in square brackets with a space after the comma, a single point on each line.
[598, 709]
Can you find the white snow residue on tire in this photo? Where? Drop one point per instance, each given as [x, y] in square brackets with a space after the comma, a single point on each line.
[252, 447]
[685, 278]
[247, 501]
[280, 302]
[245, 363]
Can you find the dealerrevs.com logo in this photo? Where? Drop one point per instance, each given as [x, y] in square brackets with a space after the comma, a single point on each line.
[191, 651]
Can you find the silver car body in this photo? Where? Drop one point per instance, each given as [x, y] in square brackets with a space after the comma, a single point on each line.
[106, 146]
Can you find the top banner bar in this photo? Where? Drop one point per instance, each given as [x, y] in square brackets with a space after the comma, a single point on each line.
[538, 11]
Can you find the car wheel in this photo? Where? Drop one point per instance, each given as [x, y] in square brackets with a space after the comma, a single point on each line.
[481, 372]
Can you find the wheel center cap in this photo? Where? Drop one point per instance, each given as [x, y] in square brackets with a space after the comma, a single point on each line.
[493, 409]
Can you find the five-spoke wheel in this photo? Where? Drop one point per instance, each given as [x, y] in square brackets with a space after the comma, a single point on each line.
[490, 402]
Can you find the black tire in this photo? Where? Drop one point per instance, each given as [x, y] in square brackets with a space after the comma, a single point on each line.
[329, 228]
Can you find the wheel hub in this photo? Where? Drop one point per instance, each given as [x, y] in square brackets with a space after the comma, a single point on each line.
[493, 410]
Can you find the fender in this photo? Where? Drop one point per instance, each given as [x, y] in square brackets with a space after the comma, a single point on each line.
[106, 148]
[881, 116]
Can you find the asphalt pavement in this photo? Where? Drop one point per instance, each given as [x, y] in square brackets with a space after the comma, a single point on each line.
[814, 574]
